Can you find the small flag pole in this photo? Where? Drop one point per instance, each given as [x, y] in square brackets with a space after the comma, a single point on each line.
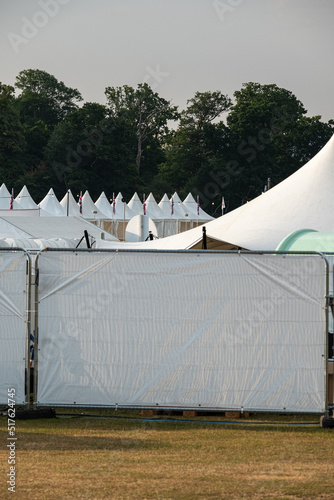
[11, 200]
[223, 205]
[80, 203]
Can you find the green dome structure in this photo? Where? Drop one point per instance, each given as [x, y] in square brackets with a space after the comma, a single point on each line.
[307, 240]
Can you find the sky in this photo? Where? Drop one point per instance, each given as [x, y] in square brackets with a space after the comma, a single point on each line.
[178, 47]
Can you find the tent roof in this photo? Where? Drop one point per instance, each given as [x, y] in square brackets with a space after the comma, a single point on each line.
[51, 205]
[119, 208]
[8, 229]
[180, 210]
[5, 197]
[136, 205]
[165, 206]
[104, 206]
[152, 208]
[90, 210]
[25, 200]
[73, 208]
[305, 199]
[191, 205]
[37, 243]
[71, 228]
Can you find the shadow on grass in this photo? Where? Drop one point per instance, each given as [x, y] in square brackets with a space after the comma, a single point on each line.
[79, 424]
[31, 441]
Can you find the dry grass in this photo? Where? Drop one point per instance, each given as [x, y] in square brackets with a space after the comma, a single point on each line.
[124, 459]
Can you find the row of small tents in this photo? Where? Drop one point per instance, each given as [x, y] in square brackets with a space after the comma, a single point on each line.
[103, 209]
[169, 216]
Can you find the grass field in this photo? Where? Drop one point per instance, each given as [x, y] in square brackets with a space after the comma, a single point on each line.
[261, 457]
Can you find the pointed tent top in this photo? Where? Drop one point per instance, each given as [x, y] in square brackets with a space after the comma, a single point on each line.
[152, 208]
[25, 200]
[73, 208]
[4, 191]
[104, 206]
[189, 199]
[120, 205]
[176, 198]
[5, 198]
[150, 198]
[89, 209]
[165, 205]
[180, 210]
[136, 205]
[164, 199]
[191, 205]
[51, 205]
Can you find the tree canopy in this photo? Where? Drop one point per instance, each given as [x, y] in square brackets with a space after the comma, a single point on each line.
[138, 141]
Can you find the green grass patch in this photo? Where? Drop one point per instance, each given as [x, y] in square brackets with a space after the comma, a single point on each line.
[118, 455]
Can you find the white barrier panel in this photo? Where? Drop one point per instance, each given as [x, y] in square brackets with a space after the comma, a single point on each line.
[13, 325]
[182, 330]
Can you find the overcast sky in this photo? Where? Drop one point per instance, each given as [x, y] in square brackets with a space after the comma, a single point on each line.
[177, 46]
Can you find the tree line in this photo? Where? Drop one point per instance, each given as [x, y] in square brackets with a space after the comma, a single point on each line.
[138, 141]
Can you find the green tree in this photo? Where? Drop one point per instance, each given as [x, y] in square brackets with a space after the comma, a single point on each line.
[270, 137]
[44, 98]
[197, 147]
[12, 140]
[146, 116]
[204, 108]
[88, 150]
[43, 102]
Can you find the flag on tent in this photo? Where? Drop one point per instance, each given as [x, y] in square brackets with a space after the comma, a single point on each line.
[172, 207]
[223, 205]
[113, 203]
[11, 203]
[80, 203]
[144, 206]
[197, 205]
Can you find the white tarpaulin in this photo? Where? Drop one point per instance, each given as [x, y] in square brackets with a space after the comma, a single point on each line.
[182, 330]
[13, 326]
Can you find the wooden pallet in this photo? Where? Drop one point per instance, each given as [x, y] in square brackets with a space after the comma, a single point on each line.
[195, 413]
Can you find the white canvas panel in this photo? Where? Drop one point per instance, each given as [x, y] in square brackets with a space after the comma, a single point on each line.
[182, 330]
[13, 327]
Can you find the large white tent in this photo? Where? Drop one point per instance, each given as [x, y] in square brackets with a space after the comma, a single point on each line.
[303, 200]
